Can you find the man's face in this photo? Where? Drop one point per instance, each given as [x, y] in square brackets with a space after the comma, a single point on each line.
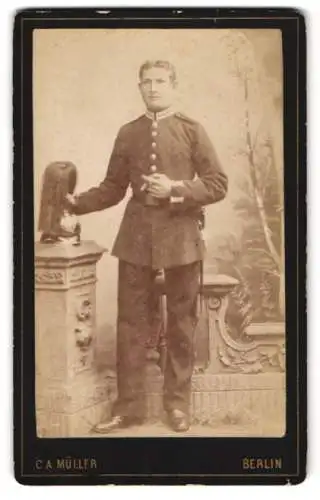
[157, 89]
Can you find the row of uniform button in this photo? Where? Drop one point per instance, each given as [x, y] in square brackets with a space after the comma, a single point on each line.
[153, 156]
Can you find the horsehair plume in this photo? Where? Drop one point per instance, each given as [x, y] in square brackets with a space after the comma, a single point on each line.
[59, 179]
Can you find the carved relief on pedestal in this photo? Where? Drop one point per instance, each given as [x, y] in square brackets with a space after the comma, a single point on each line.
[68, 276]
[82, 273]
[82, 334]
[255, 361]
[243, 357]
[84, 310]
[263, 352]
[49, 276]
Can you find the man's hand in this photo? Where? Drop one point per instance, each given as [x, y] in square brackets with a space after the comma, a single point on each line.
[158, 185]
[71, 202]
[71, 199]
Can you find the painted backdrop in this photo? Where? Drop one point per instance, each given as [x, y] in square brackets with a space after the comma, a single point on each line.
[85, 88]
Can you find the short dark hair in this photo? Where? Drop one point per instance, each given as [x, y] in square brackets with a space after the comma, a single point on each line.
[159, 64]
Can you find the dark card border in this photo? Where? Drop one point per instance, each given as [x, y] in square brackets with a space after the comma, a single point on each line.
[146, 460]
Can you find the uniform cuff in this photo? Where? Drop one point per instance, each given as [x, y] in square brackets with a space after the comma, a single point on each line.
[177, 192]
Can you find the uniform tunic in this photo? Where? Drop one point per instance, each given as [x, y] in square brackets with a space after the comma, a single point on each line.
[165, 235]
[157, 234]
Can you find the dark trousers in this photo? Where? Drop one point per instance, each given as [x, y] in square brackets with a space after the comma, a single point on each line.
[134, 327]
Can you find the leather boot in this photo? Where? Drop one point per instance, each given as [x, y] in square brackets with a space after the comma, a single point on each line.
[178, 421]
[115, 423]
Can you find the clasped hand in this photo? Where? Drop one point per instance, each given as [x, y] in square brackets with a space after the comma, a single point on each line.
[70, 202]
[158, 185]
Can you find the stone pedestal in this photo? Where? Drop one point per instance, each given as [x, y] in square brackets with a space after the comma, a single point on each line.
[70, 396]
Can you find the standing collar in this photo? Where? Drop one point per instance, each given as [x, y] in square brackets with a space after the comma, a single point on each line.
[160, 114]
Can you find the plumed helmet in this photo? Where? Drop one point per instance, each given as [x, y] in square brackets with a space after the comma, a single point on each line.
[59, 179]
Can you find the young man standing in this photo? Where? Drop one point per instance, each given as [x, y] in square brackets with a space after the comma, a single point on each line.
[173, 170]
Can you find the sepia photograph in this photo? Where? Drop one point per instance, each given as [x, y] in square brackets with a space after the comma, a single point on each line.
[158, 175]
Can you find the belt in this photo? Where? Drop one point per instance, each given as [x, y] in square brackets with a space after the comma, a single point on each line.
[150, 201]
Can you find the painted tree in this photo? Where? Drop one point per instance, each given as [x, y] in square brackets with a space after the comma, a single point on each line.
[258, 258]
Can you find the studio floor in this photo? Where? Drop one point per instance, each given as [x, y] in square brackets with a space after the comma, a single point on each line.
[160, 429]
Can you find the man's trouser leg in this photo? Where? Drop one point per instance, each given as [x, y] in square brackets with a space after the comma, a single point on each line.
[182, 287]
[133, 330]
